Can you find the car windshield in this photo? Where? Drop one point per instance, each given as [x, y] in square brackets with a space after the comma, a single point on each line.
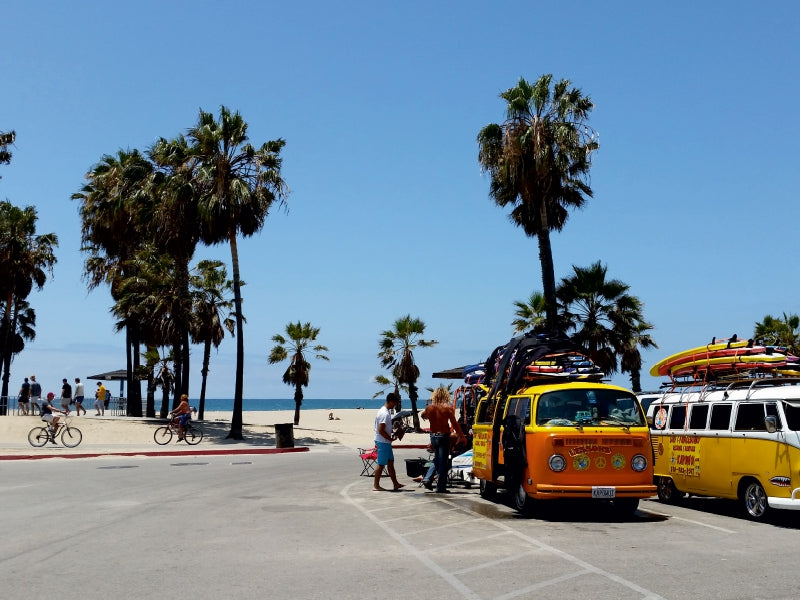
[577, 407]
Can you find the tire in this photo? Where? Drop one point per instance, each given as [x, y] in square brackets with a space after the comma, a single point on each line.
[162, 435]
[38, 436]
[522, 502]
[754, 501]
[193, 435]
[626, 507]
[71, 437]
[487, 489]
[667, 492]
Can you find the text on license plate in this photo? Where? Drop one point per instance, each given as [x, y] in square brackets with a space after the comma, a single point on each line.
[603, 492]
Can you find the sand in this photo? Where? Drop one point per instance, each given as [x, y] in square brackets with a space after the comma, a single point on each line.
[352, 428]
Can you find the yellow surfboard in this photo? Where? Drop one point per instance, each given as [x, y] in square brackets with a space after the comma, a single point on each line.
[688, 365]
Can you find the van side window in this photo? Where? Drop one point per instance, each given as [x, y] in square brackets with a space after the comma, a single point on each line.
[485, 411]
[720, 417]
[698, 416]
[750, 417]
[792, 412]
[677, 417]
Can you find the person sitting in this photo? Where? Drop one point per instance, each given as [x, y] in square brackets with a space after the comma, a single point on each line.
[182, 413]
[47, 409]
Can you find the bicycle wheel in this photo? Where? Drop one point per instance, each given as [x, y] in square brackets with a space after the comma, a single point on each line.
[162, 435]
[37, 437]
[71, 436]
[193, 435]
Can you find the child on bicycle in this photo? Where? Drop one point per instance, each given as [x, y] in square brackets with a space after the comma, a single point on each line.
[182, 414]
[47, 409]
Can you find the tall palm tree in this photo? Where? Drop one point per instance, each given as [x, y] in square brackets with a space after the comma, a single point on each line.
[539, 160]
[21, 329]
[631, 358]
[599, 313]
[531, 315]
[211, 306]
[238, 185]
[780, 331]
[25, 261]
[296, 348]
[396, 353]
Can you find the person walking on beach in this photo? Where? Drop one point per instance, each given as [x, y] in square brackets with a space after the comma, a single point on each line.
[441, 415]
[79, 397]
[66, 396]
[100, 399]
[36, 394]
[24, 398]
[383, 442]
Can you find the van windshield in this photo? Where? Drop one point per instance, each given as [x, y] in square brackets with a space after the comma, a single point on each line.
[576, 407]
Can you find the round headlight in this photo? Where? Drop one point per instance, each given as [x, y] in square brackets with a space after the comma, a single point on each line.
[639, 463]
[557, 463]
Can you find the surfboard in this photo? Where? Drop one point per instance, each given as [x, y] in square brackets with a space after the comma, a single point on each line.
[662, 367]
[729, 361]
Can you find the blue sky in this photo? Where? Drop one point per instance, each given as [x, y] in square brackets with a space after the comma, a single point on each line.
[380, 105]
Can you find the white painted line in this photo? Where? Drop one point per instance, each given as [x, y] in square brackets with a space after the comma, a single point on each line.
[709, 526]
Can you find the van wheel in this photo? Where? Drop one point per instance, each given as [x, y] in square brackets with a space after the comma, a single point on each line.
[522, 502]
[667, 492]
[754, 500]
[487, 489]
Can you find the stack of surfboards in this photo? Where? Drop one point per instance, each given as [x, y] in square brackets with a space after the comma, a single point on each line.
[573, 365]
[726, 357]
[474, 373]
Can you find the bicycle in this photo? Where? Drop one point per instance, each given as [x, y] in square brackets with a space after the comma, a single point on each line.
[70, 436]
[192, 434]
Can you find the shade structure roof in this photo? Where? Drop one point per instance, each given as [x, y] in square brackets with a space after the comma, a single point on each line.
[455, 373]
[118, 375]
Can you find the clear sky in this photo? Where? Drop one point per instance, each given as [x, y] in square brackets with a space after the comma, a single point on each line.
[380, 105]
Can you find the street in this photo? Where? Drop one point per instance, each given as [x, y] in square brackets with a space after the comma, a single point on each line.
[306, 525]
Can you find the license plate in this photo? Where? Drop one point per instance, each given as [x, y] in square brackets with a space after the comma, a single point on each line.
[603, 492]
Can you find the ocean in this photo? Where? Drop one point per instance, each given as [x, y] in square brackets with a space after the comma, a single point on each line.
[266, 404]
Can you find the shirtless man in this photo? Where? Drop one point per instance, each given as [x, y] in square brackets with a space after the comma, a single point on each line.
[441, 415]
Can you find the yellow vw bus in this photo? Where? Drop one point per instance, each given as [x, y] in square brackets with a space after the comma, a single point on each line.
[556, 440]
[739, 441]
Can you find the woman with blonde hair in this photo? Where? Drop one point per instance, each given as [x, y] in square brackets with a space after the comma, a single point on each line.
[441, 415]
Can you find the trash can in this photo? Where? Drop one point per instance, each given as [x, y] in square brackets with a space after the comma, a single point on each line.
[284, 435]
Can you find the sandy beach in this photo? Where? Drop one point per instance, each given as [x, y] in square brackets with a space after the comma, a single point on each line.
[352, 428]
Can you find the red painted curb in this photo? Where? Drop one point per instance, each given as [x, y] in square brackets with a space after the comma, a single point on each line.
[158, 453]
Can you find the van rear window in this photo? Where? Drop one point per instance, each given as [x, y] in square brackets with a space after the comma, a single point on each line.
[792, 412]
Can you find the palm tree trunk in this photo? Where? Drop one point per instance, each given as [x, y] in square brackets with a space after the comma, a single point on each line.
[204, 373]
[177, 361]
[636, 381]
[412, 395]
[548, 275]
[236, 417]
[298, 400]
[134, 385]
[5, 351]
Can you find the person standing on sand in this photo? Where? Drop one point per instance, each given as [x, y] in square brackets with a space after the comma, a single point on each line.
[383, 442]
[441, 415]
[100, 399]
[79, 397]
[66, 396]
[24, 398]
[36, 394]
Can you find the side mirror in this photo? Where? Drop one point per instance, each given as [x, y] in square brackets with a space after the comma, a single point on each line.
[771, 423]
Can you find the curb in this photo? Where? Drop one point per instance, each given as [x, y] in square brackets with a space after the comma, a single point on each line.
[158, 453]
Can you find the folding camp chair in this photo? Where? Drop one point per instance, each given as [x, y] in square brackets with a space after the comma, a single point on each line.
[368, 458]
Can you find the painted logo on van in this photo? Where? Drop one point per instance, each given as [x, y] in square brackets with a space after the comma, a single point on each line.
[581, 462]
[781, 481]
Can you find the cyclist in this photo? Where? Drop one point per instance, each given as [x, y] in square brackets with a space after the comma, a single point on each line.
[47, 409]
[182, 414]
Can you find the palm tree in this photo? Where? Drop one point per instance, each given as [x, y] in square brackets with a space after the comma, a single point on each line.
[781, 331]
[397, 354]
[599, 313]
[631, 358]
[539, 160]
[389, 384]
[6, 139]
[531, 315]
[211, 307]
[21, 329]
[295, 348]
[25, 261]
[238, 185]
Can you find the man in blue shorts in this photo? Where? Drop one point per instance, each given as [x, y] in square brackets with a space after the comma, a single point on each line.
[383, 442]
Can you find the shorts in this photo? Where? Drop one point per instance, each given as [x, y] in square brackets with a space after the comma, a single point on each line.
[183, 420]
[79, 400]
[49, 418]
[385, 453]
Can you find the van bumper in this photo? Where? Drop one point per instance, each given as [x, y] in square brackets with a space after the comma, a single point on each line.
[545, 491]
[792, 503]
